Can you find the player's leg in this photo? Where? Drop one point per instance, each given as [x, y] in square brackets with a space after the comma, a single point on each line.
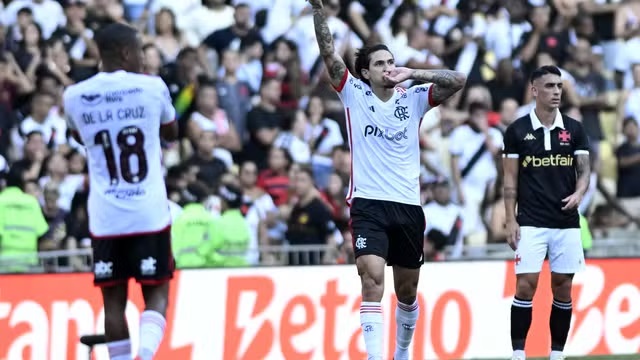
[110, 274]
[565, 259]
[529, 258]
[154, 264]
[406, 254]
[370, 248]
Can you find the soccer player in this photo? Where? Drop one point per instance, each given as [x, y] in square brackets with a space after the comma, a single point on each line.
[546, 173]
[117, 114]
[384, 192]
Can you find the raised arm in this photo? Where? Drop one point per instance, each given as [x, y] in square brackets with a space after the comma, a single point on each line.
[334, 63]
[445, 82]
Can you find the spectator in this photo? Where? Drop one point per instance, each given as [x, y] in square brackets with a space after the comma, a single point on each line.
[168, 39]
[444, 225]
[22, 226]
[473, 148]
[322, 134]
[234, 95]
[628, 155]
[293, 140]
[35, 151]
[264, 123]
[78, 40]
[45, 121]
[275, 179]
[207, 116]
[55, 237]
[209, 168]
[310, 223]
[57, 176]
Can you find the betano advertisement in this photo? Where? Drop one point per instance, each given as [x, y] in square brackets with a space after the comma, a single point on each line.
[313, 313]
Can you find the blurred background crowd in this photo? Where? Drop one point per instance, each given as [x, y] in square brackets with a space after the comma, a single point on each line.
[261, 169]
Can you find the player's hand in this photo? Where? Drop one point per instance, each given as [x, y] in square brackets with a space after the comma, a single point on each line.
[398, 75]
[315, 3]
[513, 234]
[572, 202]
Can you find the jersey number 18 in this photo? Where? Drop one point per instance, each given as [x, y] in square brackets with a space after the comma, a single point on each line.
[130, 140]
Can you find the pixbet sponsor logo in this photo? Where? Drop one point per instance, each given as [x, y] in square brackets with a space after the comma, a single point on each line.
[386, 134]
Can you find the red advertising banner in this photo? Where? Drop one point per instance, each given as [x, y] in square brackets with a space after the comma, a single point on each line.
[313, 313]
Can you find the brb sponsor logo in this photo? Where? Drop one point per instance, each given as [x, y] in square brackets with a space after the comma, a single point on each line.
[547, 161]
[385, 133]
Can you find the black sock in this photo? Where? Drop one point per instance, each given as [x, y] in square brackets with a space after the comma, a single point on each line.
[520, 322]
[559, 323]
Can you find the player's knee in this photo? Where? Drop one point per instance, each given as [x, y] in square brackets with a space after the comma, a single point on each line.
[372, 280]
[406, 291]
[526, 287]
[156, 298]
[561, 286]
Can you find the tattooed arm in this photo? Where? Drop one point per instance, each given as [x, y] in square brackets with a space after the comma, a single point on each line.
[583, 173]
[334, 63]
[510, 183]
[445, 82]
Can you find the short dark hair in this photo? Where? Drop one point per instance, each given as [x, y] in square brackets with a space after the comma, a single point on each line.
[363, 58]
[544, 70]
[307, 170]
[477, 105]
[14, 179]
[112, 38]
[629, 120]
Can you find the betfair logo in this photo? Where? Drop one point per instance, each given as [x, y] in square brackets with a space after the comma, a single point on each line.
[557, 160]
[529, 137]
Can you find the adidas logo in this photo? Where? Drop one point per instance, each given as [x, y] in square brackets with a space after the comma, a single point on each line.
[529, 137]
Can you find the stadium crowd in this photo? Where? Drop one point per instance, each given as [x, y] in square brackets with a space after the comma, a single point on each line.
[263, 162]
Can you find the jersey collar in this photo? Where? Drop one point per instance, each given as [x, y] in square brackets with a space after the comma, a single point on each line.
[536, 124]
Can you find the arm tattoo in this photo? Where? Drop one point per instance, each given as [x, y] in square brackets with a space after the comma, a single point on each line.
[334, 63]
[446, 82]
[510, 193]
[583, 172]
[583, 166]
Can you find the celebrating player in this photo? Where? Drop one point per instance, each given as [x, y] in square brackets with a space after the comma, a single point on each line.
[546, 173]
[384, 192]
[117, 115]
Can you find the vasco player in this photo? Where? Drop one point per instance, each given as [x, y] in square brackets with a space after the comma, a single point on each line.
[386, 217]
[546, 173]
[118, 114]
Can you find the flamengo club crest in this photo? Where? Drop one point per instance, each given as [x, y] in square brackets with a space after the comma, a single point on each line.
[565, 137]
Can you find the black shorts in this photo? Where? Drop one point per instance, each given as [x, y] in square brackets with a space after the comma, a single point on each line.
[391, 230]
[146, 257]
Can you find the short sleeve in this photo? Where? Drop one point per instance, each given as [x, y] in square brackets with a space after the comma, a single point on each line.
[168, 111]
[510, 148]
[422, 98]
[67, 104]
[581, 144]
[455, 145]
[347, 85]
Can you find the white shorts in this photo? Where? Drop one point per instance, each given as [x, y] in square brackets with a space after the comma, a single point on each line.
[564, 246]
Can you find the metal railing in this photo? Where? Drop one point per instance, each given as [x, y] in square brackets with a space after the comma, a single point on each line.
[624, 244]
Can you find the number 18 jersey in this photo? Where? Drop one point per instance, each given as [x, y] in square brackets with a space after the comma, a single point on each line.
[118, 117]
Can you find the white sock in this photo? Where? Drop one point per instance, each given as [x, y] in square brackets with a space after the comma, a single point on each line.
[119, 350]
[555, 355]
[152, 325]
[406, 318]
[519, 354]
[372, 328]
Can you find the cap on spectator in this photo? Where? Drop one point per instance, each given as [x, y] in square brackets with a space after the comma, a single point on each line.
[231, 195]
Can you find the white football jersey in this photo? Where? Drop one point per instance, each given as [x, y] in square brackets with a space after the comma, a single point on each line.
[384, 140]
[118, 116]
